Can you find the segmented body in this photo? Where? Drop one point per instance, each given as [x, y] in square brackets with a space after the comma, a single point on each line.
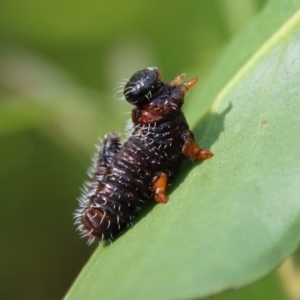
[125, 176]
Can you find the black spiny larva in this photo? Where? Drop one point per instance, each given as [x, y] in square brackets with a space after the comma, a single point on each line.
[125, 176]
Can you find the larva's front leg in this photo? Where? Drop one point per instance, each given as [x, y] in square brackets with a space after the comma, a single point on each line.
[191, 150]
[159, 187]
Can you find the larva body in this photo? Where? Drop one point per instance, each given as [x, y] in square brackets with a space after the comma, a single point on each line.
[125, 176]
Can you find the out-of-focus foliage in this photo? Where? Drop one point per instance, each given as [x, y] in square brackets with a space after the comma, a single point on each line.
[59, 64]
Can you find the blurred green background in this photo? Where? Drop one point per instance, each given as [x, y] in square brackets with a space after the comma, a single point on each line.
[59, 64]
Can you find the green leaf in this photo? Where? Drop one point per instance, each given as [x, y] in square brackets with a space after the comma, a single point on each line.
[234, 218]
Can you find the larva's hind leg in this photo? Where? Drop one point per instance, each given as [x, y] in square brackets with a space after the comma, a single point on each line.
[109, 148]
[191, 150]
[159, 187]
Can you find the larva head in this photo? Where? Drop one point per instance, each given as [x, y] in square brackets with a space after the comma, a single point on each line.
[142, 85]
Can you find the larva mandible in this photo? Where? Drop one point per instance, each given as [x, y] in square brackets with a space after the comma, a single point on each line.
[125, 176]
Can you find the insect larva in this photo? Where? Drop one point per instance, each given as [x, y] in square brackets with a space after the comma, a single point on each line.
[126, 175]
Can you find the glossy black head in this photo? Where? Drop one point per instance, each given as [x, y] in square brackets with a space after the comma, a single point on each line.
[142, 85]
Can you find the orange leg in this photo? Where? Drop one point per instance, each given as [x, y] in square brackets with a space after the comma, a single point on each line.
[159, 187]
[192, 151]
[177, 80]
[187, 85]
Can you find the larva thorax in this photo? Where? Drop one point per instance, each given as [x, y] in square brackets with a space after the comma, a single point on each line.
[125, 176]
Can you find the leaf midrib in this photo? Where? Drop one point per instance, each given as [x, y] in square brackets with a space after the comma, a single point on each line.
[279, 35]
